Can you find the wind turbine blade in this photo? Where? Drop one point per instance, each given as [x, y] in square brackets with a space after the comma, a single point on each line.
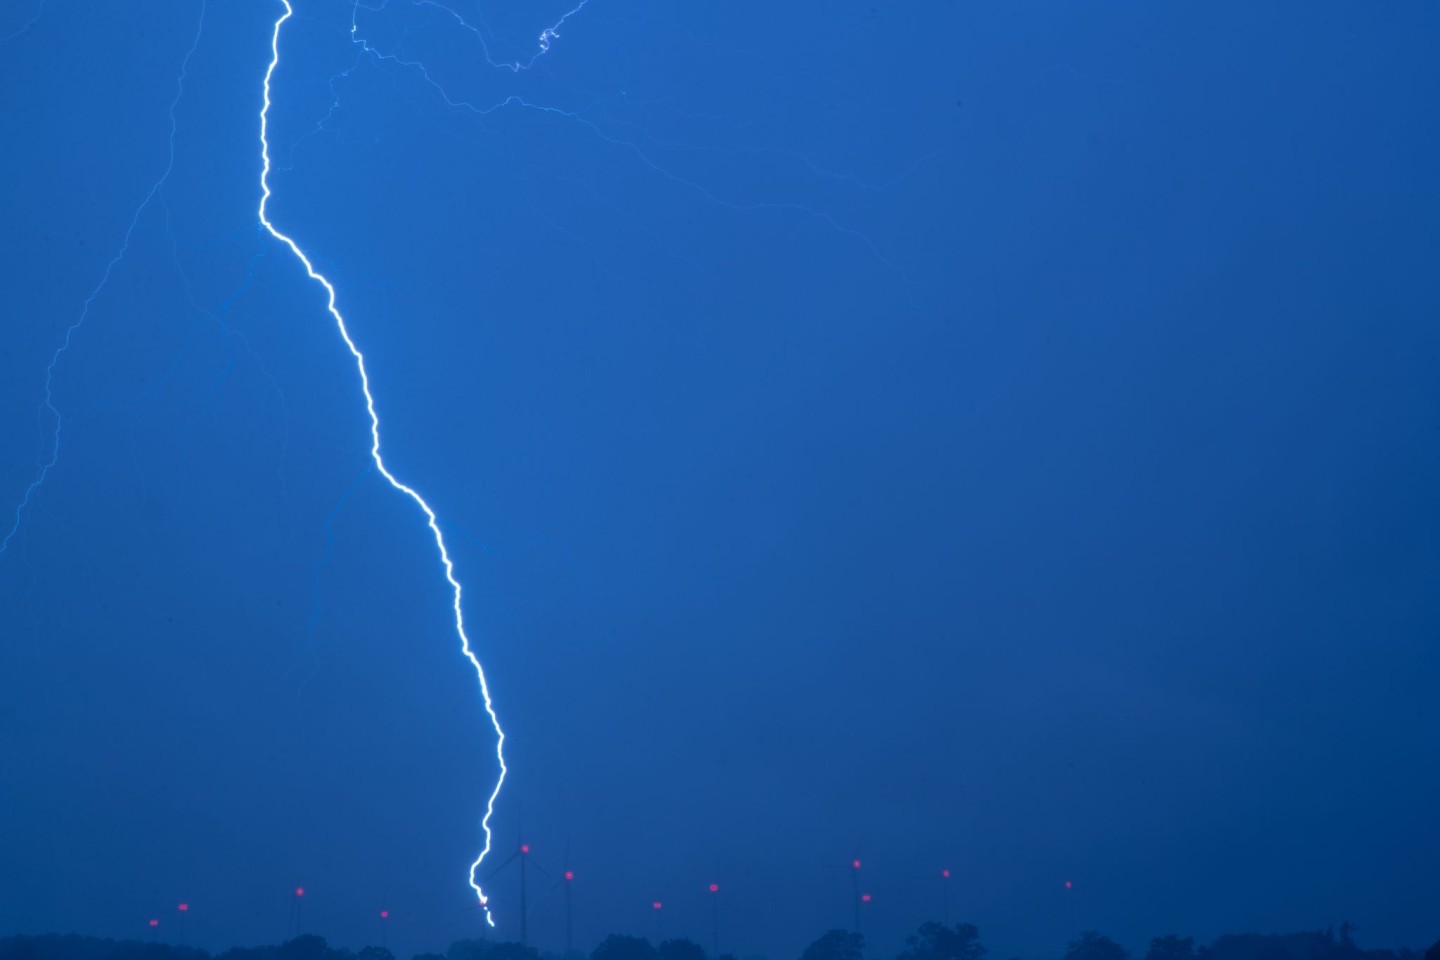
[502, 866]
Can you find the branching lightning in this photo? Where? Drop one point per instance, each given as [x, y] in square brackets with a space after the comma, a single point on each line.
[410, 492]
[642, 149]
[546, 38]
[25, 27]
[636, 149]
[47, 406]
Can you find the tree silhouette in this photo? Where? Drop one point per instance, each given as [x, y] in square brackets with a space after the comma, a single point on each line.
[836, 945]
[305, 947]
[509, 950]
[620, 947]
[374, 953]
[1093, 946]
[480, 950]
[935, 941]
[681, 949]
[1434, 952]
[1171, 947]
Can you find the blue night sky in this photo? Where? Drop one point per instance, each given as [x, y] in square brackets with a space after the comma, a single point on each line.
[995, 436]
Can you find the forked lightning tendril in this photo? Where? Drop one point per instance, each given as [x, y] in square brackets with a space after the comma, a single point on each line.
[375, 452]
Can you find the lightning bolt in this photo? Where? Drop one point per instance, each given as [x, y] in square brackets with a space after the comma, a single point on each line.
[47, 406]
[642, 149]
[407, 490]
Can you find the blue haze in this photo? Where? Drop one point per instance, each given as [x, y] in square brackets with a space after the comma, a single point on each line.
[987, 436]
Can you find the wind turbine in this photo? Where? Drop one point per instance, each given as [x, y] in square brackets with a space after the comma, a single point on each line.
[567, 877]
[522, 853]
[858, 897]
[295, 915]
[715, 919]
[855, 876]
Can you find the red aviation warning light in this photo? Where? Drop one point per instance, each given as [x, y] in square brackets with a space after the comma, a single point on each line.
[154, 923]
[864, 898]
[299, 891]
[183, 907]
[714, 888]
[384, 914]
[656, 905]
[569, 874]
[945, 874]
[1069, 885]
[524, 848]
[855, 864]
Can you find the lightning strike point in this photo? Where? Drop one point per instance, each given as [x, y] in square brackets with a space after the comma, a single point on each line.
[431, 520]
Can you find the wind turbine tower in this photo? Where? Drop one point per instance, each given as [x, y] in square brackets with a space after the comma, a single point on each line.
[522, 853]
[855, 876]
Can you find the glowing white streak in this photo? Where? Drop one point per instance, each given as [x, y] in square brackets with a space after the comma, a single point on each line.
[375, 452]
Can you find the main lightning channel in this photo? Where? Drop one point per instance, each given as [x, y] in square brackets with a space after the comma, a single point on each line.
[379, 461]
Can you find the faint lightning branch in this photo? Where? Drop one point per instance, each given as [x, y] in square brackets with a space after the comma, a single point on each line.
[25, 28]
[375, 451]
[46, 464]
[635, 149]
[547, 36]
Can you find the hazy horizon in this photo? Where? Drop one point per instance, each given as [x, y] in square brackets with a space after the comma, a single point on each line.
[964, 436]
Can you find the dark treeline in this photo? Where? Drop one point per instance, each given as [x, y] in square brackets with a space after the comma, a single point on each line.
[933, 941]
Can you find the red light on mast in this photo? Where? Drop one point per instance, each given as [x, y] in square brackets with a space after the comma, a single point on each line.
[154, 923]
[183, 907]
[656, 905]
[855, 864]
[524, 848]
[569, 874]
[299, 891]
[1069, 885]
[714, 888]
[384, 914]
[864, 898]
